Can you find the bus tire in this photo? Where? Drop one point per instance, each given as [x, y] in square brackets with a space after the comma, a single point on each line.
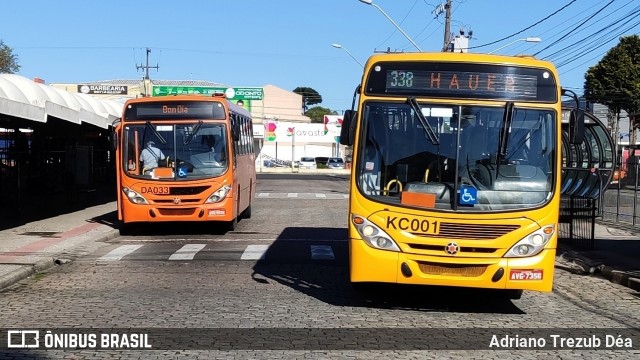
[513, 294]
[126, 228]
[362, 288]
[231, 225]
[247, 212]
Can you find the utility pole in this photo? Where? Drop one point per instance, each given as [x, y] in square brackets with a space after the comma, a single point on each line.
[146, 82]
[147, 67]
[447, 25]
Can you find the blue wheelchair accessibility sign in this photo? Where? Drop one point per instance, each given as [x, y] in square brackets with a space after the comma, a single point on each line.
[468, 195]
[182, 172]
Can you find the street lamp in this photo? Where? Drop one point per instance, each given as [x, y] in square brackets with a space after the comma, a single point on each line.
[338, 46]
[370, 2]
[529, 39]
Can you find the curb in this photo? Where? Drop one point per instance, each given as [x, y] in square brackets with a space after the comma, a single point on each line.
[621, 277]
[577, 263]
[25, 271]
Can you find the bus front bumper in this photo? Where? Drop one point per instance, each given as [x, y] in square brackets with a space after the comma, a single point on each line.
[372, 265]
[221, 211]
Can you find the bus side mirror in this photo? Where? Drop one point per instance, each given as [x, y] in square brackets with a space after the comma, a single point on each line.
[114, 140]
[576, 126]
[235, 132]
[348, 129]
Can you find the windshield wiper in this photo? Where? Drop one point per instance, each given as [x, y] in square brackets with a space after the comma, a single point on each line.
[428, 130]
[193, 133]
[156, 133]
[505, 131]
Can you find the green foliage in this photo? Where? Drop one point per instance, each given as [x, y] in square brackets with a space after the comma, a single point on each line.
[317, 113]
[309, 96]
[8, 60]
[615, 80]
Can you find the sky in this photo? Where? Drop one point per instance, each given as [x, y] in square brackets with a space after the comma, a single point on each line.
[287, 43]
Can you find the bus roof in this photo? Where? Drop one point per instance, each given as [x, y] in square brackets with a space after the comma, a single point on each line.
[233, 107]
[523, 60]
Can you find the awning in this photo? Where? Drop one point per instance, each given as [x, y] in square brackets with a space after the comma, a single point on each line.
[23, 98]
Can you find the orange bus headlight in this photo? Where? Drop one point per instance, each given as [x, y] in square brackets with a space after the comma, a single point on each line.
[218, 195]
[134, 197]
[532, 244]
[373, 235]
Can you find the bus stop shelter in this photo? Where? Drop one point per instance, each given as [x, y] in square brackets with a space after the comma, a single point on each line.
[54, 145]
[587, 170]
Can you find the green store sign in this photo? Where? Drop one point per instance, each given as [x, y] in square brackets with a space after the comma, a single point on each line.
[231, 93]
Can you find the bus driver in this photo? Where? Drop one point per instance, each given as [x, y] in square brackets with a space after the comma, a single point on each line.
[150, 156]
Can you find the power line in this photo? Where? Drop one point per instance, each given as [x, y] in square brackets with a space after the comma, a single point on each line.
[600, 41]
[557, 33]
[575, 28]
[401, 21]
[603, 43]
[562, 52]
[525, 29]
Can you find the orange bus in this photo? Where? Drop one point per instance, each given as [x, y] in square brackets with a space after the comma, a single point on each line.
[457, 171]
[184, 158]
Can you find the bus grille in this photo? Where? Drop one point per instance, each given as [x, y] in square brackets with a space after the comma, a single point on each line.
[182, 201]
[187, 190]
[462, 248]
[451, 269]
[177, 212]
[471, 231]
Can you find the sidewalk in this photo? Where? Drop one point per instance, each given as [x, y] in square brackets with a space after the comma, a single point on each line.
[616, 255]
[36, 246]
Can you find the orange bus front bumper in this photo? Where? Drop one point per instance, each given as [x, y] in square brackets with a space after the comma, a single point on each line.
[221, 211]
[372, 265]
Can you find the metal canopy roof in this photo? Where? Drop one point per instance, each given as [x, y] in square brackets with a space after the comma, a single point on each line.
[23, 98]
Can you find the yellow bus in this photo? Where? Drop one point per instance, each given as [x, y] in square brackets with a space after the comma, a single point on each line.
[184, 158]
[456, 171]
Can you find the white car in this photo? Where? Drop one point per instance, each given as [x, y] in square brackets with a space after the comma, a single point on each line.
[307, 163]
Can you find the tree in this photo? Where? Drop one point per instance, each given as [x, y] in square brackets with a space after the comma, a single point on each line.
[615, 81]
[317, 114]
[309, 96]
[8, 60]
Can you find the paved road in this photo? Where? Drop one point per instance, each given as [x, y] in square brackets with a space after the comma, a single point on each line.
[283, 275]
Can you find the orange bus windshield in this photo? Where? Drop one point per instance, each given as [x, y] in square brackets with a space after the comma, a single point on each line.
[179, 151]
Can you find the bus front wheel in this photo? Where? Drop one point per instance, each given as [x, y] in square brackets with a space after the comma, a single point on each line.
[231, 225]
[512, 294]
[247, 212]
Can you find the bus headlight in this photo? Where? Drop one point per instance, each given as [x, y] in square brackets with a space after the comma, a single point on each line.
[219, 195]
[134, 197]
[532, 244]
[373, 235]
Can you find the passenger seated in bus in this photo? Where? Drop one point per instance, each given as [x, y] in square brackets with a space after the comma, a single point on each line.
[150, 156]
[213, 157]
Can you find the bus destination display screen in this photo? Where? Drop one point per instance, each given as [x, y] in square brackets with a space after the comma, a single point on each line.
[199, 110]
[466, 81]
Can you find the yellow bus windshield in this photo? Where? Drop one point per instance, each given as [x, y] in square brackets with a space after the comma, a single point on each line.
[453, 152]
